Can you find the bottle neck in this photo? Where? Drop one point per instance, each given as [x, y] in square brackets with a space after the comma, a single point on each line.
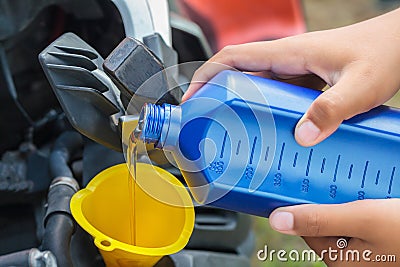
[154, 126]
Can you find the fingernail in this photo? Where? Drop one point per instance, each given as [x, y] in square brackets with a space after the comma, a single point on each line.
[307, 132]
[282, 221]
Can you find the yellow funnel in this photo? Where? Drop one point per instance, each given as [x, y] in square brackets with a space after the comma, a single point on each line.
[104, 209]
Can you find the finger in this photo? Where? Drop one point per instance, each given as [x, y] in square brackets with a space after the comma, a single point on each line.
[351, 219]
[308, 80]
[334, 250]
[265, 74]
[344, 100]
[280, 56]
[203, 75]
[321, 245]
[318, 244]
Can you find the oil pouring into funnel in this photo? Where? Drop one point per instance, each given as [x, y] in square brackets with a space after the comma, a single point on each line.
[223, 141]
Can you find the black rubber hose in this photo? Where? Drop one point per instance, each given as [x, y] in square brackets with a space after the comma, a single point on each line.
[20, 259]
[59, 226]
[64, 147]
[57, 238]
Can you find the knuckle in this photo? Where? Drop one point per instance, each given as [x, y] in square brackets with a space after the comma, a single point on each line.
[315, 222]
[327, 107]
[228, 49]
[227, 54]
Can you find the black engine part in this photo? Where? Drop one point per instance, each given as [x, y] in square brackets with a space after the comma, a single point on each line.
[85, 93]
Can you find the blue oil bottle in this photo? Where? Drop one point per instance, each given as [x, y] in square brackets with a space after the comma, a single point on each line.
[234, 143]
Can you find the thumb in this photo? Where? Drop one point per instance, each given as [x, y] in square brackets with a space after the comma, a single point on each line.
[344, 100]
[351, 219]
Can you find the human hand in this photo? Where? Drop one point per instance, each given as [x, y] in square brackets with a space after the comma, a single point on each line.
[360, 62]
[370, 224]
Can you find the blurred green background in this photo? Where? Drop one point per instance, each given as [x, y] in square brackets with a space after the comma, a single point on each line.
[274, 240]
[320, 15]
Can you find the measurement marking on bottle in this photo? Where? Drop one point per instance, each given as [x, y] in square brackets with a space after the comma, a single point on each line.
[280, 156]
[391, 180]
[266, 154]
[309, 162]
[364, 174]
[336, 168]
[305, 186]
[278, 179]
[295, 159]
[249, 173]
[377, 177]
[252, 150]
[223, 145]
[333, 190]
[323, 165]
[350, 171]
[238, 147]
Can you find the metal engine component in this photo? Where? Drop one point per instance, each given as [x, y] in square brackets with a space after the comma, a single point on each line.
[132, 64]
[13, 173]
[38, 258]
[86, 94]
[29, 258]
[145, 17]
